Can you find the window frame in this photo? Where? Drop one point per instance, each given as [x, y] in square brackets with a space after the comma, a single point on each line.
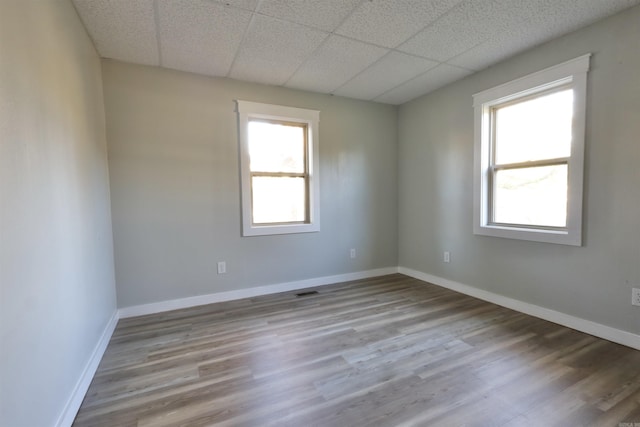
[304, 174]
[570, 74]
[248, 111]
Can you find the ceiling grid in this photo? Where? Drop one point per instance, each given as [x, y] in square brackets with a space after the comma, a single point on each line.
[378, 50]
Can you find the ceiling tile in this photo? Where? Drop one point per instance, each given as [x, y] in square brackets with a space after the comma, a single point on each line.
[532, 23]
[242, 4]
[464, 27]
[290, 42]
[499, 47]
[200, 36]
[488, 52]
[568, 15]
[273, 50]
[335, 62]
[325, 15]
[389, 23]
[392, 70]
[433, 79]
[121, 29]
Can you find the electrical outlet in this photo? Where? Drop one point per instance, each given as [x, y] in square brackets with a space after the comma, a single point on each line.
[447, 256]
[352, 253]
[222, 267]
[635, 296]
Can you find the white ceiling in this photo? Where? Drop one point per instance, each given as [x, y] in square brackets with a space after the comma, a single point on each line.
[389, 51]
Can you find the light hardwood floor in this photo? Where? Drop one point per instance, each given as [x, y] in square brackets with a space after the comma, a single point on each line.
[388, 351]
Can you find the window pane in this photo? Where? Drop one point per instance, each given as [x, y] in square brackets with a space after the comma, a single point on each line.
[531, 196]
[275, 147]
[535, 129]
[278, 199]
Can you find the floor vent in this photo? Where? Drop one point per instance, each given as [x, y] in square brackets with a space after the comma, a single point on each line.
[306, 294]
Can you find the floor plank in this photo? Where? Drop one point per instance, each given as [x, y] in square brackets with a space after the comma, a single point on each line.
[386, 351]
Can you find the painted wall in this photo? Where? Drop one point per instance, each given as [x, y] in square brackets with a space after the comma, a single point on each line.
[57, 285]
[173, 157]
[435, 186]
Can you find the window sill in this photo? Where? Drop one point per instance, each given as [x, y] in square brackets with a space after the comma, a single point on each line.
[269, 230]
[560, 237]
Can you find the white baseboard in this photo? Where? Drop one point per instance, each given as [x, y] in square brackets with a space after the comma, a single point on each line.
[158, 307]
[80, 390]
[596, 329]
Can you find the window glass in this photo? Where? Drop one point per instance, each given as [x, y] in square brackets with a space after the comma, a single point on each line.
[276, 147]
[278, 200]
[531, 196]
[534, 129]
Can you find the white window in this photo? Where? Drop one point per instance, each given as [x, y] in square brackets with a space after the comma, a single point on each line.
[279, 169]
[529, 156]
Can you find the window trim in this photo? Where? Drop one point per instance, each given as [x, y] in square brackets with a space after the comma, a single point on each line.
[572, 73]
[246, 111]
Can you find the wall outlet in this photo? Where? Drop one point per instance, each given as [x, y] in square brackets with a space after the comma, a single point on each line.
[222, 267]
[447, 256]
[352, 253]
[635, 296]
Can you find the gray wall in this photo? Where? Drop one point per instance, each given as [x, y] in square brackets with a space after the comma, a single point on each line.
[173, 157]
[435, 186]
[57, 286]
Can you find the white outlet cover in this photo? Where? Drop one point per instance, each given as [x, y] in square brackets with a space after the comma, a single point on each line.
[222, 267]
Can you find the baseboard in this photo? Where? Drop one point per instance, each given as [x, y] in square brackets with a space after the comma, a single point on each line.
[159, 307]
[596, 329]
[80, 390]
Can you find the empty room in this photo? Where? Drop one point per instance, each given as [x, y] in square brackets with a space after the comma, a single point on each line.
[319, 212]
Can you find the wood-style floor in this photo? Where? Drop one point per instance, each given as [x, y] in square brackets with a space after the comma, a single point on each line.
[388, 351]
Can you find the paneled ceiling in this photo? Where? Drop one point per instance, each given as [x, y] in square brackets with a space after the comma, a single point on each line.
[388, 51]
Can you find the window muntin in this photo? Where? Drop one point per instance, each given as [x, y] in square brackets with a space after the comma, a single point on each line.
[529, 155]
[279, 169]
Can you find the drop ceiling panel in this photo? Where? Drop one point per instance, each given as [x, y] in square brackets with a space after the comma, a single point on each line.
[242, 4]
[325, 15]
[570, 15]
[334, 63]
[535, 22]
[554, 19]
[273, 50]
[514, 38]
[123, 30]
[464, 27]
[335, 46]
[488, 52]
[389, 23]
[389, 72]
[200, 36]
[433, 79]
